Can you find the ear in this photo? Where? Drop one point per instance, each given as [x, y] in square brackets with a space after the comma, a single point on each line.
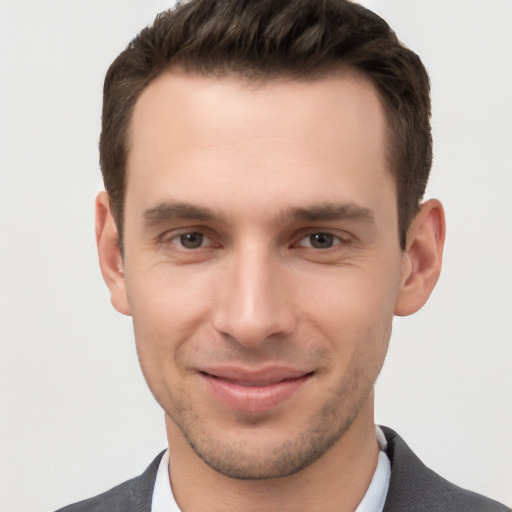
[109, 254]
[423, 258]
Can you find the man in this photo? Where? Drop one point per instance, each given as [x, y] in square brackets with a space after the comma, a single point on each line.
[264, 164]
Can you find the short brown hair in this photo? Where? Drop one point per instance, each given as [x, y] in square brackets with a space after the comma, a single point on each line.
[263, 39]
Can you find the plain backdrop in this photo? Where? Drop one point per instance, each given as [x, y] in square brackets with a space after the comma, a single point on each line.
[76, 417]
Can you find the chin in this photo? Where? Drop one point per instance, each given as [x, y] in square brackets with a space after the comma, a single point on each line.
[257, 454]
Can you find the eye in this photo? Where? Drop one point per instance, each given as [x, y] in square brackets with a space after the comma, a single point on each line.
[320, 240]
[192, 240]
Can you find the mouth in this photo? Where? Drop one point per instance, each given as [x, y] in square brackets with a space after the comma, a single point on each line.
[254, 391]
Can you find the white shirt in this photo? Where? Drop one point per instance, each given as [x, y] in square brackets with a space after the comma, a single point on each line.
[373, 500]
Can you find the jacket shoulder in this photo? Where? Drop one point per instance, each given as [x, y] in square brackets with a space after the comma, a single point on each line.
[414, 487]
[134, 495]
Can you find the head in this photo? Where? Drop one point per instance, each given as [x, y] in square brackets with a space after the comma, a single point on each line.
[254, 155]
[271, 39]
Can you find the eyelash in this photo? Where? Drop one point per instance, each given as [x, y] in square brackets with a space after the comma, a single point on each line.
[332, 240]
[306, 240]
[179, 238]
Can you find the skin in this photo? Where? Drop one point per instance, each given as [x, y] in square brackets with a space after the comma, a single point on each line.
[261, 236]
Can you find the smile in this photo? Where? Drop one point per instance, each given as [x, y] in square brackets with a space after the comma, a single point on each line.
[254, 392]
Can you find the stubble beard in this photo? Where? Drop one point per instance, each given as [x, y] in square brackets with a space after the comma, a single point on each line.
[239, 459]
[234, 455]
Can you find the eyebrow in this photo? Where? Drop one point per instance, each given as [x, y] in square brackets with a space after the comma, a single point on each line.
[331, 211]
[171, 210]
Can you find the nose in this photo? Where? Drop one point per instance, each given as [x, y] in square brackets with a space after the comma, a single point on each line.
[254, 304]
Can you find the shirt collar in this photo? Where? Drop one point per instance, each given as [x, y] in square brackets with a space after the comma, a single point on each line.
[373, 501]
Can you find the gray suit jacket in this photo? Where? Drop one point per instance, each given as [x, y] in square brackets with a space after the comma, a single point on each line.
[413, 488]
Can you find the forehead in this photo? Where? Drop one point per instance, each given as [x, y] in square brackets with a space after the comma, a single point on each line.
[277, 140]
[192, 104]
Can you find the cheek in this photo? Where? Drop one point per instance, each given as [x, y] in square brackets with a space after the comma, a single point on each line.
[353, 309]
[163, 319]
[167, 310]
[167, 300]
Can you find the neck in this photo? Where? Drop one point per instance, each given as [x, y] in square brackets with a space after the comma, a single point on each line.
[336, 481]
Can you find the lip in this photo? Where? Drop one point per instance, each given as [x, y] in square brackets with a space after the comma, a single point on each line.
[254, 391]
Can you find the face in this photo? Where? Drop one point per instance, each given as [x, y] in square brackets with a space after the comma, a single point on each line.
[262, 263]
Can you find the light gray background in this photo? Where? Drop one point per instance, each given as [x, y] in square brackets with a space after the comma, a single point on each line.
[76, 417]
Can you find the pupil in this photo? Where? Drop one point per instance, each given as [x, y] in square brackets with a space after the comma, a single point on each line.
[321, 240]
[191, 240]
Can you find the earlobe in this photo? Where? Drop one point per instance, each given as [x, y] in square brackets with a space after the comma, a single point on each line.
[422, 258]
[109, 254]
